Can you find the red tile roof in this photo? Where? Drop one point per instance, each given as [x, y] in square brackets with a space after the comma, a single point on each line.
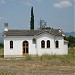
[66, 41]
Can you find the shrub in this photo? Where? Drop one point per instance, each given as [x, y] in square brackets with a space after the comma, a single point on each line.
[71, 40]
[1, 45]
[1, 56]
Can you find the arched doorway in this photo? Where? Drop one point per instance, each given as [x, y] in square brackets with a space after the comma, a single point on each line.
[25, 48]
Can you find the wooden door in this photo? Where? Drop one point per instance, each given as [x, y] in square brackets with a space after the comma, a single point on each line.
[25, 48]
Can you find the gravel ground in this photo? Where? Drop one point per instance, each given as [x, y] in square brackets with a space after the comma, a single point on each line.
[29, 67]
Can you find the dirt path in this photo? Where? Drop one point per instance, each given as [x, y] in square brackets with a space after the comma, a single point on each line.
[23, 67]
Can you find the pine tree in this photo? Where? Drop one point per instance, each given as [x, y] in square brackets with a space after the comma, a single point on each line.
[32, 19]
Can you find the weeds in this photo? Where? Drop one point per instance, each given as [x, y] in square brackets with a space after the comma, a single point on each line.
[1, 56]
[62, 58]
[28, 57]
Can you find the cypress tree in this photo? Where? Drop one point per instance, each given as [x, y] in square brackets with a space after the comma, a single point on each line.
[32, 19]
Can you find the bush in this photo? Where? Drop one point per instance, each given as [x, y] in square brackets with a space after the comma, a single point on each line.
[1, 56]
[1, 45]
[71, 40]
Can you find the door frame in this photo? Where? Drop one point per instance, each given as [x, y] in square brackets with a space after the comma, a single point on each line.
[25, 48]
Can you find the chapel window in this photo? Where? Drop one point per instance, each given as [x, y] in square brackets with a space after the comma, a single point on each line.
[34, 41]
[57, 44]
[42, 44]
[11, 44]
[48, 44]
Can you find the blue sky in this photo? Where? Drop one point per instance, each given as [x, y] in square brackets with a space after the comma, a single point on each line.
[58, 14]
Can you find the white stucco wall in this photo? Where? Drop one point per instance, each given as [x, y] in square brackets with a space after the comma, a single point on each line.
[62, 50]
[66, 48]
[35, 48]
[17, 46]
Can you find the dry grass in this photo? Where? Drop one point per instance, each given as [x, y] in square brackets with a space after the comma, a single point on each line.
[44, 65]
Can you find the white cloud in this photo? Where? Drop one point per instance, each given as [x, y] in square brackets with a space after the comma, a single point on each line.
[63, 4]
[2, 1]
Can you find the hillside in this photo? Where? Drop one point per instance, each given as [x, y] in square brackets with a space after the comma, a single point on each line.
[70, 33]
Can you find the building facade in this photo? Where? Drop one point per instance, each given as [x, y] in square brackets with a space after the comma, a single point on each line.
[19, 43]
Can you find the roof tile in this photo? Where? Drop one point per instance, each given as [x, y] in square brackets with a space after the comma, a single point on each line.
[32, 32]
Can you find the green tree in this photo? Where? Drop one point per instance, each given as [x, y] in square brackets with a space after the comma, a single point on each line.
[71, 40]
[32, 19]
[1, 45]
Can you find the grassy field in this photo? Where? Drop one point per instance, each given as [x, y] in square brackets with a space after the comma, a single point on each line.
[43, 65]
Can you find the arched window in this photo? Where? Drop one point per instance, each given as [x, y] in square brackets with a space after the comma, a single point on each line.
[57, 44]
[34, 41]
[42, 44]
[11, 44]
[48, 44]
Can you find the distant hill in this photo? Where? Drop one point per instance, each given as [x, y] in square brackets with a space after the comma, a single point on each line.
[70, 33]
[1, 37]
